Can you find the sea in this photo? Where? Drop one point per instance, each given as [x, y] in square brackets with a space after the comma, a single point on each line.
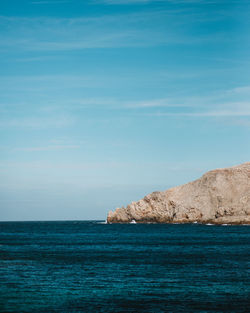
[90, 266]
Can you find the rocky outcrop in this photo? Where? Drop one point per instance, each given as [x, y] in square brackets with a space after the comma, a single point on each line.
[221, 196]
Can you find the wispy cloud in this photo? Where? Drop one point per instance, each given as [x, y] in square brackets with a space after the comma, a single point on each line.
[216, 102]
[63, 143]
[140, 29]
[154, 103]
[127, 2]
[36, 59]
[50, 2]
[240, 90]
[217, 105]
[119, 2]
[49, 148]
[110, 103]
[37, 122]
[219, 114]
[46, 83]
[215, 113]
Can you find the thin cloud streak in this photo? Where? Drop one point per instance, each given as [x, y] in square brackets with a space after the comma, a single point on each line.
[154, 103]
[49, 148]
[50, 2]
[37, 122]
[127, 2]
[202, 114]
[143, 29]
[240, 90]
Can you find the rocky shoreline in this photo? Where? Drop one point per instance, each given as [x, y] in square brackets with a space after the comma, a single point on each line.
[220, 196]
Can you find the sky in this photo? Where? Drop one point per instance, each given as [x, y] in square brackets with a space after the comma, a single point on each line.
[105, 101]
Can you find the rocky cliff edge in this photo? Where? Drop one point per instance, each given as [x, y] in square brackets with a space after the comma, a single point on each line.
[220, 196]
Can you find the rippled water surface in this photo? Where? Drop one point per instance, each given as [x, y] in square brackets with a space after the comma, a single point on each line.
[94, 267]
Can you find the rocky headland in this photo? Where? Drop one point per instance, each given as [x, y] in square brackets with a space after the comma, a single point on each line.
[220, 196]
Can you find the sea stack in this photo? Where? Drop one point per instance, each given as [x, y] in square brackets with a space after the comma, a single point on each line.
[220, 196]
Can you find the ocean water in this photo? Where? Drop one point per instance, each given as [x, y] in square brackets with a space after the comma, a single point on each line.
[94, 267]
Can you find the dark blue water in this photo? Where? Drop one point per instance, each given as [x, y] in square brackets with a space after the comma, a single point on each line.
[92, 267]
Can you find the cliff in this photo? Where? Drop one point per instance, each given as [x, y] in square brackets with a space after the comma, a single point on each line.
[220, 196]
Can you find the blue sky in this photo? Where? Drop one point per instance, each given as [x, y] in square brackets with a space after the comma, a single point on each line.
[104, 101]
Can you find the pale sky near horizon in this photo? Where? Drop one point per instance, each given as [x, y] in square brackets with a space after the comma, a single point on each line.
[104, 101]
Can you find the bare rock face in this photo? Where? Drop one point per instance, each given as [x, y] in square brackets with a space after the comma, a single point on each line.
[221, 196]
